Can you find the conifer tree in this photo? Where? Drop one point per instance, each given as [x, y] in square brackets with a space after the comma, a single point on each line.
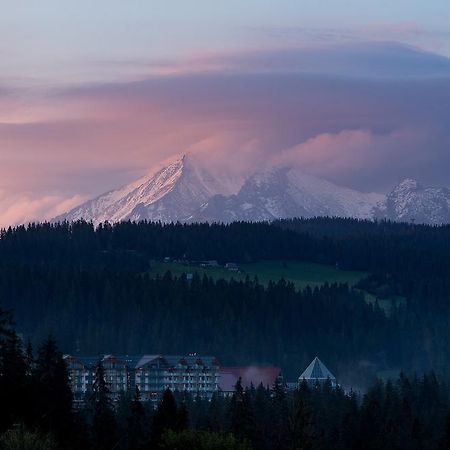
[14, 383]
[29, 357]
[216, 413]
[241, 416]
[137, 431]
[168, 417]
[5, 325]
[262, 412]
[104, 425]
[301, 425]
[53, 394]
[280, 416]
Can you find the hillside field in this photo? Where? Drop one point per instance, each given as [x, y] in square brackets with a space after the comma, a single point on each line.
[300, 273]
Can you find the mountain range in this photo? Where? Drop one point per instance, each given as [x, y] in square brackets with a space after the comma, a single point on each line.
[183, 190]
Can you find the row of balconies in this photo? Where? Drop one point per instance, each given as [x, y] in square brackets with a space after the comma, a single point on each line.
[191, 386]
[81, 383]
[139, 372]
[176, 379]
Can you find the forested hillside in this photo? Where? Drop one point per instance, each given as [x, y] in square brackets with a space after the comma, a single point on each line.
[91, 289]
[410, 413]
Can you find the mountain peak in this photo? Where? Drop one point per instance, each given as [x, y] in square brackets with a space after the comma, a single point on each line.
[408, 183]
[171, 192]
[185, 189]
[284, 192]
[410, 201]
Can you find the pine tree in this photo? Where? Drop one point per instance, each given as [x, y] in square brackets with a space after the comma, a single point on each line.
[168, 417]
[136, 424]
[53, 394]
[122, 410]
[301, 425]
[104, 426]
[29, 357]
[241, 416]
[14, 382]
[216, 413]
[280, 416]
[6, 330]
[262, 412]
[350, 423]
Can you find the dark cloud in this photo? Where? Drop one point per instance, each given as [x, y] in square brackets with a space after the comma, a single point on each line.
[399, 94]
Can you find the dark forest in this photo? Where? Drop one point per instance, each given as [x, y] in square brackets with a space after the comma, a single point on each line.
[91, 290]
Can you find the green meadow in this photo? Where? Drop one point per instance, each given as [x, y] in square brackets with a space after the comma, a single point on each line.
[298, 272]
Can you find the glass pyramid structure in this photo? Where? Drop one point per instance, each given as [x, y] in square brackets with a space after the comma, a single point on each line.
[317, 372]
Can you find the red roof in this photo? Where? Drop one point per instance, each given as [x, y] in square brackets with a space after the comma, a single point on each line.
[250, 375]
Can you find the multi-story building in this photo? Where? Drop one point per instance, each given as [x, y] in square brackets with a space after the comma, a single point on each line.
[194, 374]
[117, 374]
[152, 374]
[81, 375]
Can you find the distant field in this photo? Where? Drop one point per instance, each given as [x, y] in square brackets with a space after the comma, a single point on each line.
[300, 273]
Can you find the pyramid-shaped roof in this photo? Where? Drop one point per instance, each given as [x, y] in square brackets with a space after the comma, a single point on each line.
[317, 371]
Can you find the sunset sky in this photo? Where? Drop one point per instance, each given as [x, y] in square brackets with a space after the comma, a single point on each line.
[93, 93]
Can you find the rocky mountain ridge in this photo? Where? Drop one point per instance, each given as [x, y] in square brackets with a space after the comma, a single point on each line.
[182, 190]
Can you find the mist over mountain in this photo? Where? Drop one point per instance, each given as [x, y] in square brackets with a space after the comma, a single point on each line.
[185, 190]
[287, 192]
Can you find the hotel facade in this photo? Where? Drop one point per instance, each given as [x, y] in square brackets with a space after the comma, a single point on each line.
[151, 374]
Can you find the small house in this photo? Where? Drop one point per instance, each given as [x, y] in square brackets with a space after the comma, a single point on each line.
[232, 266]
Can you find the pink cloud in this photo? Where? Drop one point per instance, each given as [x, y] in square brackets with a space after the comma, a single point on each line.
[354, 154]
[25, 208]
[360, 131]
[348, 149]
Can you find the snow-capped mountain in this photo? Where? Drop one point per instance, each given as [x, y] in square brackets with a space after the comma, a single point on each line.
[287, 192]
[183, 190]
[409, 201]
[171, 193]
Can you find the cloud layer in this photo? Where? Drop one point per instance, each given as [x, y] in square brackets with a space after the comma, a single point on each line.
[362, 115]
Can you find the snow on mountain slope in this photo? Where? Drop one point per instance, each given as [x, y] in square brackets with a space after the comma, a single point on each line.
[409, 201]
[183, 190]
[171, 193]
[287, 192]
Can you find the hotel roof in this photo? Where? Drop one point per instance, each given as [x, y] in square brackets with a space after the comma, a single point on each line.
[317, 371]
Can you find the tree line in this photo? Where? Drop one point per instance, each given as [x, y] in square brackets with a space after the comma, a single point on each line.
[403, 259]
[37, 412]
[95, 312]
[92, 289]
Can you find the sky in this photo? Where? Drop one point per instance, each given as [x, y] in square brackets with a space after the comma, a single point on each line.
[92, 94]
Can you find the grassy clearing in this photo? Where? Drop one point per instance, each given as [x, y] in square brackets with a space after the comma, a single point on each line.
[299, 273]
